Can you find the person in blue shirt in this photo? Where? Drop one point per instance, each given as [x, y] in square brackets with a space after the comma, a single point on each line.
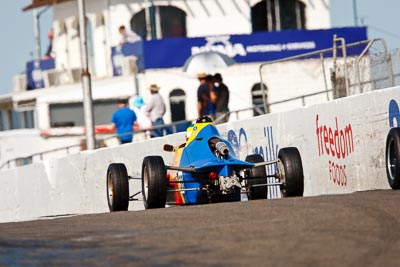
[123, 121]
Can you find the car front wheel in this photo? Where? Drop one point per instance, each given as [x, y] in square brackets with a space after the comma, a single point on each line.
[393, 158]
[291, 168]
[154, 182]
[117, 187]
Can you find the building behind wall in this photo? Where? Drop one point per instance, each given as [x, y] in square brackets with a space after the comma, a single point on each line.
[177, 18]
[157, 20]
[224, 25]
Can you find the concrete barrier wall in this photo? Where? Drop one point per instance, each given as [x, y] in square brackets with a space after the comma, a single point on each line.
[342, 145]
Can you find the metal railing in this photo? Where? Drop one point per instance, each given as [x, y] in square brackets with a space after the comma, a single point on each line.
[166, 128]
[302, 97]
[364, 45]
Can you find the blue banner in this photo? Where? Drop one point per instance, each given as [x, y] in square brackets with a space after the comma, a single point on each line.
[244, 48]
[34, 72]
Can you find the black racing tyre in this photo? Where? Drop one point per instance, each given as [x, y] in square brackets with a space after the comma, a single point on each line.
[154, 182]
[393, 158]
[117, 187]
[256, 175]
[293, 176]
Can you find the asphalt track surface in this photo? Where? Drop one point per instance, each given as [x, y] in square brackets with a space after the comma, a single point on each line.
[359, 229]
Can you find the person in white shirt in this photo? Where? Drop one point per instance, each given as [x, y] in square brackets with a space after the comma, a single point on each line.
[156, 108]
[128, 36]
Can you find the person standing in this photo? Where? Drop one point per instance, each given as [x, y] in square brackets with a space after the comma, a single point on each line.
[156, 108]
[222, 99]
[203, 96]
[213, 96]
[123, 120]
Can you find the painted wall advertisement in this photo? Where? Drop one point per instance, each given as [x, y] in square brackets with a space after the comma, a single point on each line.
[244, 48]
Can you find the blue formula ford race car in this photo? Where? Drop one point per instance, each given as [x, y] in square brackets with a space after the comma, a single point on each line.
[205, 169]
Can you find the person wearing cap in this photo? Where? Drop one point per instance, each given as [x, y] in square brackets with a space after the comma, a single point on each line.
[123, 121]
[222, 99]
[156, 109]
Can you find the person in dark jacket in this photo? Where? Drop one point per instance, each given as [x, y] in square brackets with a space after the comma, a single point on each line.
[222, 99]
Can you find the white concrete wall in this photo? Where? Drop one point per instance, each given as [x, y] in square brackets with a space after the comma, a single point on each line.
[23, 143]
[317, 14]
[77, 184]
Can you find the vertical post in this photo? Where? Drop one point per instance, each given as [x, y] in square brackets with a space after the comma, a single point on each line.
[265, 105]
[148, 23]
[388, 60]
[86, 83]
[298, 15]
[333, 71]
[158, 23]
[346, 74]
[344, 56]
[355, 13]
[269, 15]
[36, 32]
[324, 73]
[278, 15]
[107, 37]
[136, 78]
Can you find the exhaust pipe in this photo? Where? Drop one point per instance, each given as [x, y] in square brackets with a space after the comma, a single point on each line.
[222, 148]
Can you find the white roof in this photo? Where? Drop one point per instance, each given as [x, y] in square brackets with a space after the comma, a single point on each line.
[119, 87]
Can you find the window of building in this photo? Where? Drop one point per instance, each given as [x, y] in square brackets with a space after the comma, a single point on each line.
[10, 119]
[23, 161]
[16, 120]
[262, 16]
[161, 22]
[177, 104]
[138, 24]
[177, 100]
[257, 99]
[2, 121]
[29, 119]
[275, 15]
[72, 114]
[292, 14]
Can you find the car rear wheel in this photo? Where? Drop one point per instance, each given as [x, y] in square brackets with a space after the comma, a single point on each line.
[393, 158]
[256, 176]
[117, 187]
[292, 169]
[154, 182]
